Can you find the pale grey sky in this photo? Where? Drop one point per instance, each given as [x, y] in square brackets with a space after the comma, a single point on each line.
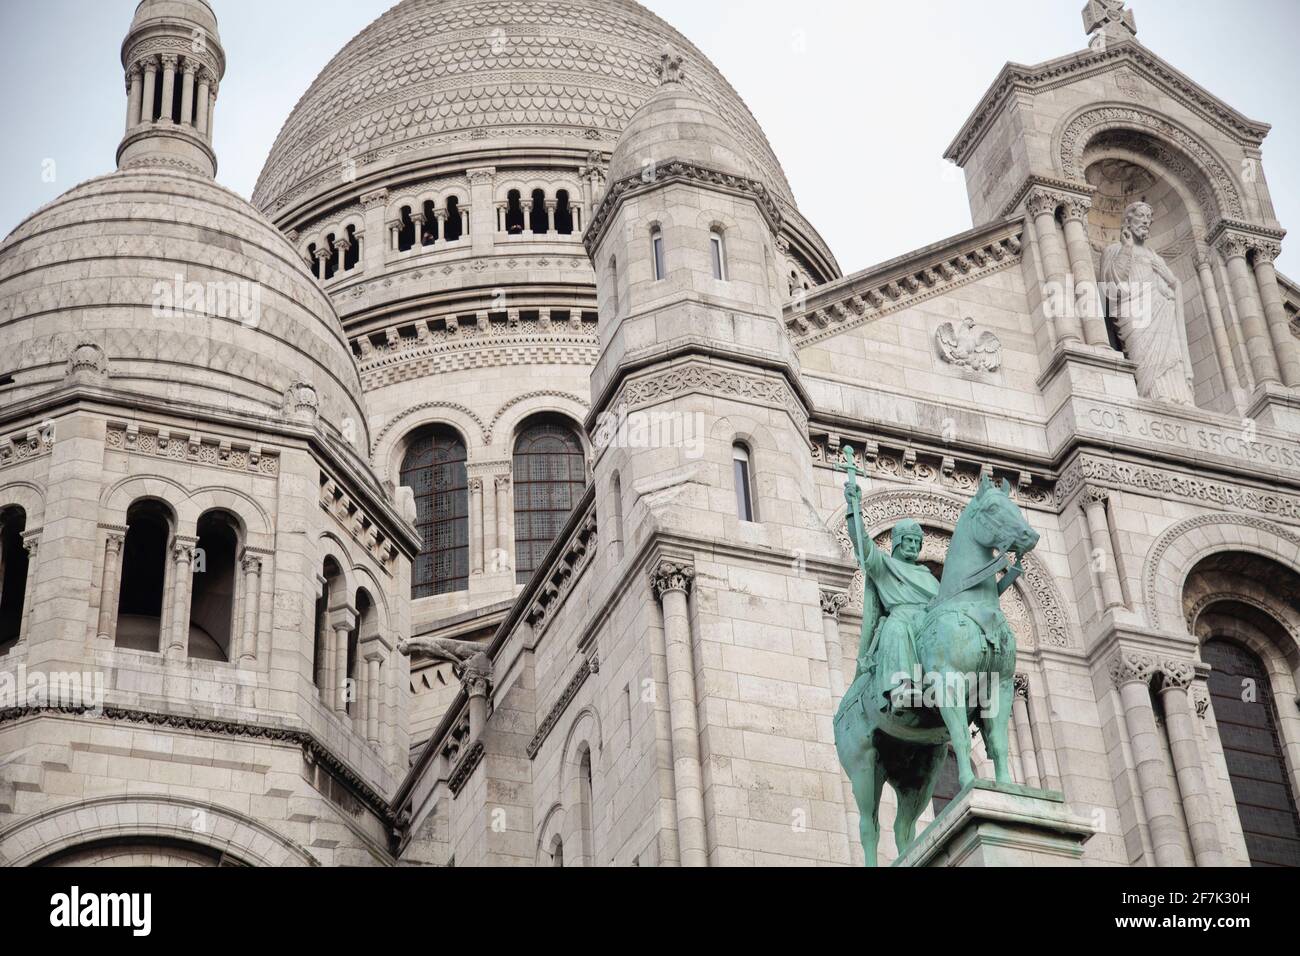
[859, 98]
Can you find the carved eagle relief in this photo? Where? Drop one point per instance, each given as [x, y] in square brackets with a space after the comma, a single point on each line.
[965, 347]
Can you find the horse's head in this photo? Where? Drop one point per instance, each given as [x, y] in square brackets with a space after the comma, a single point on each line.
[998, 521]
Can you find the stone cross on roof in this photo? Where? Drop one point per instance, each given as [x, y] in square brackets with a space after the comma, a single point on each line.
[669, 69]
[1108, 20]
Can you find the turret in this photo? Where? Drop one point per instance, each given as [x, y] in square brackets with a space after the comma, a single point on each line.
[174, 63]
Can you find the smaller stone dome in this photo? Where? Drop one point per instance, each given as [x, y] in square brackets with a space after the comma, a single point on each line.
[676, 124]
[151, 12]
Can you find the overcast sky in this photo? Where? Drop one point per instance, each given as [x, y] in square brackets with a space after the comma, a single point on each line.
[859, 97]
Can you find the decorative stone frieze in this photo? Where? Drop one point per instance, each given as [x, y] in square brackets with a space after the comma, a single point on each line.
[27, 445]
[710, 379]
[564, 573]
[211, 450]
[349, 515]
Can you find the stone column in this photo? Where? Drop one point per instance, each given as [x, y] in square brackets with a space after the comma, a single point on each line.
[252, 567]
[551, 206]
[1094, 507]
[1259, 346]
[440, 217]
[212, 109]
[832, 603]
[1279, 327]
[374, 660]
[671, 582]
[187, 92]
[322, 256]
[1087, 299]
[1025, 732]
[1042, 205]
[476, 678]
[205, 89]
[394, 233]
[108, 587]
[476, 524]
[150, 67]
[1132, 675]
[343, 619]
[1198, 807]
[31, 543]
[135, 83]
[1219, 329]
[169, 63]
[343, 244]
[464, 221]
[183, 554]
[503, 518]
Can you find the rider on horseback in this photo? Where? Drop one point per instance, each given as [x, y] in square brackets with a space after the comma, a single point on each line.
[905, 589]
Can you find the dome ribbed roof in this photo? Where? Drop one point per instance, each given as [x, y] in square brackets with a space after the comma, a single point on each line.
[433, 75]
[100, 266]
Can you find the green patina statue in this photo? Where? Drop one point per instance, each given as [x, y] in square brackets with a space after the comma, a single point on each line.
[936, 655]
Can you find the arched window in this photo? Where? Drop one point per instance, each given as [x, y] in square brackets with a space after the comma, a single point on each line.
[144, 576]
[616, 507]
[743, 481]
[434, 468]
[1242, 696]
[13, 575]
[613, 287]
[452, 228]
[718, 254]
[514, 213]
[585, 811]
[538, 221]
[405, 230]
[212, 598]
[563, 213]
[657, 252]
[550, 473]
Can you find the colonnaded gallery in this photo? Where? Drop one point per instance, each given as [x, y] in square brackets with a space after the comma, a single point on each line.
[475, 494]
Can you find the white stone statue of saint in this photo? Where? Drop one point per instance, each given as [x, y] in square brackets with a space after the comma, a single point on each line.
[1147, 306]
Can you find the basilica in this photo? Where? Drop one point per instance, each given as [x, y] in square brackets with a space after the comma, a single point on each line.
[475, 494]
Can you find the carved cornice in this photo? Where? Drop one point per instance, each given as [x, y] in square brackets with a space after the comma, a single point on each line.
[465, 768]
[1045, 76]
[903, 282]
[561, 574]
[26, 445]
[1146, 478]
[590, 665]
[350, 514]
[314, 752]
[678, 171]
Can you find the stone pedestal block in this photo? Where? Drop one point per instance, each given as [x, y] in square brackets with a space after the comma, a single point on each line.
[990, 824]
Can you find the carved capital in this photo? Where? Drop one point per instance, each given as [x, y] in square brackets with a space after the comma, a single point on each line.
[476, 486]
[1177, 675]
[1231, 246]
[1021, 686]
[503, 483]
[251, 563]
[1092, 494]
[1128, 668]
[169, 61]
[671, 576]
[1265, 250]
[377, 198]
[1039, 201]
[1201, 701]
[833, 602]
[1076, 207]
[183, 549]
[115, 541]
[149, 64]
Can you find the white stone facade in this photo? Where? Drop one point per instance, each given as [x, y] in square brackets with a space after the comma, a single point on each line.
[614, 250]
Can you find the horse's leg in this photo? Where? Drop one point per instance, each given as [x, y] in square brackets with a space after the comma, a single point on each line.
[956, 717]
[868, 779]
[913, 803]
[993, 727]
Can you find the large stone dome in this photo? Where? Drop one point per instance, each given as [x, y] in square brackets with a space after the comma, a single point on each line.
[189, 294]
[434, 75]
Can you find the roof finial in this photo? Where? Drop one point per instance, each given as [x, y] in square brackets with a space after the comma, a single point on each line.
[669, 69]
[1107, 21]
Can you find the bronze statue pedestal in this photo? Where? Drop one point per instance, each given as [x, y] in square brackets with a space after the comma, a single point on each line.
[991, 824]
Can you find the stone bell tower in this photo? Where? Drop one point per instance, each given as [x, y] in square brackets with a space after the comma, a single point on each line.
[174, 63]
[700, 421]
